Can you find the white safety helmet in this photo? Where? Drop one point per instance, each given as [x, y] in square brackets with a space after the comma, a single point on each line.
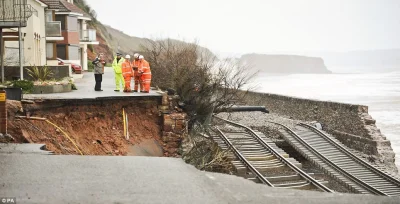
[127, 57]
[141, 57]
[136, 55]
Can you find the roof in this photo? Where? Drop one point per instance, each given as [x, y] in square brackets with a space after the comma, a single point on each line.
[73, 8]
[53, 4]
[64, 6]
[41, 3]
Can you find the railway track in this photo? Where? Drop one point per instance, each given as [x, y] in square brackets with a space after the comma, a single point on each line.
[266, 162]
[337, 161]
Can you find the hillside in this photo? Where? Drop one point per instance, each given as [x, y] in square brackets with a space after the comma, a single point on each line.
[126, 43]
[285, 63]
[113, 40]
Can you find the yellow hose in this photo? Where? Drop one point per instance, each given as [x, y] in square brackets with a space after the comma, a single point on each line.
[124, 121]
[77, 148]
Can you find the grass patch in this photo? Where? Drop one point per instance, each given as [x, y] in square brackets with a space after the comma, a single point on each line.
[25, 85]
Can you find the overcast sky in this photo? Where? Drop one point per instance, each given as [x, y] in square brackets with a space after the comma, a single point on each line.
[262, 26]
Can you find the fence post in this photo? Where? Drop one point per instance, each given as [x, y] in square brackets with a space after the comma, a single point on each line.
[1, 55]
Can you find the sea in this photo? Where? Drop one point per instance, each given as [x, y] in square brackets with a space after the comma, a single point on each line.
[380, 91]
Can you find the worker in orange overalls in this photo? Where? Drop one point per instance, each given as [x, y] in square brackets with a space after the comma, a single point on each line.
[145, 78]
[136, 75]
[127, 72]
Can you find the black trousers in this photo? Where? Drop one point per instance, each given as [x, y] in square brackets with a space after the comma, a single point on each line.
[99, 79]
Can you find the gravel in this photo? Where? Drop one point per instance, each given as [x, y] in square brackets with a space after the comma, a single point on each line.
[259, 119]
[262, 122]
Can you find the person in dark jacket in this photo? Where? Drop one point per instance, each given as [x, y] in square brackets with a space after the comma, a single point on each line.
[98, 71]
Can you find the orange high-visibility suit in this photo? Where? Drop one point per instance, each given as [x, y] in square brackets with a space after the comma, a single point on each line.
[144, 68]
[127, 72]
[136, 74]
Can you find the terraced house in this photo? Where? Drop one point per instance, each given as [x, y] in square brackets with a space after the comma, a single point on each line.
[72, 22]
[50, 29]
[29, 16]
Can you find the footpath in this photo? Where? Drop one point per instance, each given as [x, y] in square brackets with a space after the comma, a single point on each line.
[85, 90]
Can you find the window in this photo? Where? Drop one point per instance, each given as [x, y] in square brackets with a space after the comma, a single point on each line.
[50, 51]
[49, 16]
[72, 23]
[62, 51]
[62, 20]
[73, 52]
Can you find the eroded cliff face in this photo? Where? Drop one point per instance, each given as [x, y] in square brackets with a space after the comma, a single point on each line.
[285, 63]
[91, 127]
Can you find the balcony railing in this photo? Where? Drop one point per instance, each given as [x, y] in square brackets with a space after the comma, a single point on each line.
[87, 35]
[53, 29]
[15, 12]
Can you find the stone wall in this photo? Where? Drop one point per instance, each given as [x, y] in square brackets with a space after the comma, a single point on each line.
[349, 123]
[174, 125]
[59, 72]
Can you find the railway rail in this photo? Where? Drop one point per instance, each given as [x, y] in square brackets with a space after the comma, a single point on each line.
[337, 161]
[263, 159]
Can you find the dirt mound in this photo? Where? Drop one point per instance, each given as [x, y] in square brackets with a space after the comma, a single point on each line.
[97, 129]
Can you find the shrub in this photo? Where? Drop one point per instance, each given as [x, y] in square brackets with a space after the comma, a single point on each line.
[203, 82]
[90, 66]
[40, 73]
[108, 65]
[25, 85]
[73, 86]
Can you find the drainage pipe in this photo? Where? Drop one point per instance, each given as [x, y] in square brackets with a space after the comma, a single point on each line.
[243, 109]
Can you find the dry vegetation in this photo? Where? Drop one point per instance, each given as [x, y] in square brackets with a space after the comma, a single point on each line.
[204, 84]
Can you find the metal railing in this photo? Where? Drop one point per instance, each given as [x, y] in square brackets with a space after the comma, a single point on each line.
[15, 12]
[53, 29]
[87, 35]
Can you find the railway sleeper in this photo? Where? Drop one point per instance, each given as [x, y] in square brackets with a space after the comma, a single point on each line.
[275, 161]
[299, 186]
[252, 154]
[360, 172]
[292, 184]
[264, 163]
[260, 166]
[284, 178]
[384, 185]
[392, 191]
[372, 180]
[343, 162]
[257, 154]
[260, 158]
[324, 148]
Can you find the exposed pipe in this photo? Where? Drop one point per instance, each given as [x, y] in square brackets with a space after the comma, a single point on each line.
[30, 118]
[243, 109]
[49, 122]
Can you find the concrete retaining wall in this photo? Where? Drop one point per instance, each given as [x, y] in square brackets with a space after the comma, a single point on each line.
[52, 89]
[349, 123]
[59, 72]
